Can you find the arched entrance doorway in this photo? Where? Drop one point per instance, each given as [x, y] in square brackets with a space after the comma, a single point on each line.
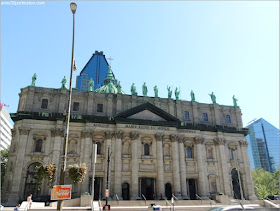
[125, 191]
[168, 191]
[30, 182]
[235, 184]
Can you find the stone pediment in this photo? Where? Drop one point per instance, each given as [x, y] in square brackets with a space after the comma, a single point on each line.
[147, 112]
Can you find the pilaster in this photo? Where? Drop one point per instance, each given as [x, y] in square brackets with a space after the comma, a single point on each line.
[176, 168]
[118, 165]
[160, 169]
[202, 178]
[223, 165]
[250, 188]
[57, 137]
[183, 168]
[134, 166]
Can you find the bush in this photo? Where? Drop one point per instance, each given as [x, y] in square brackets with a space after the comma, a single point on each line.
[46, 171]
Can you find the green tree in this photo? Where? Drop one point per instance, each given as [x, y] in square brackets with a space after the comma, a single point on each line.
[265, 183]
[4, 159]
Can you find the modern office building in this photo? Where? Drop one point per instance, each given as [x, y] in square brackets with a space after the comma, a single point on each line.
[96, 68]
[158, 146]
[263, 146]
[5, 129]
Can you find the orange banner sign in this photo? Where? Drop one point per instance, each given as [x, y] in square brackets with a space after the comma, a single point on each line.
[61, 192]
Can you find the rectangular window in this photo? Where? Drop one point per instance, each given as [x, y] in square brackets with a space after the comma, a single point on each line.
[187, 115]
[76, 106]
[100, 108]
[44, 103]
[228, 119]
[205, 117]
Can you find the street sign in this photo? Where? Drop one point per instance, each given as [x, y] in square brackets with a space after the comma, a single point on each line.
[61, 192]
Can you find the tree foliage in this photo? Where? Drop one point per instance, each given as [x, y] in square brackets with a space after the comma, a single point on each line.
[4, 160]
[265, 183]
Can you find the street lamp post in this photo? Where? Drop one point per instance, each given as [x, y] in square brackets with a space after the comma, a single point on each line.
[73, 7]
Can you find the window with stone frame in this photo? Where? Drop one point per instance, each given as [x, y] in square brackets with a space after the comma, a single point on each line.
[44, 104]
[232, 151]
[166, 150]
[38, 145]
[125, 148]
[146, 149]
[212, 183]
[98, 148]
[76, 106]
[209, 152]
[187, 115]
[189, 151]
[99, 108]
[205, 117]
[228, 119]
[72, 146]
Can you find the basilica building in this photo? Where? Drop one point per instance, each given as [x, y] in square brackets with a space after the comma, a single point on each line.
[160, 147]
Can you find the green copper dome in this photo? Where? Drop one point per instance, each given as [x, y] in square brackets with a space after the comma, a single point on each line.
[109, 85]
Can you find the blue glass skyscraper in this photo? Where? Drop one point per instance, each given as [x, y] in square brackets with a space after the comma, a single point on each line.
[96, 68]
[263, 146]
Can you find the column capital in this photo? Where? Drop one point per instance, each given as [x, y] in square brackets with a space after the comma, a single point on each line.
[219, 141]
[180, 139]
[173, 138]
[159, 137]
[134, 135]
[243, 143]
[119, 134]
[24, 131]
[109, 135]
[86, 134]
[57, 132]
[199, 140]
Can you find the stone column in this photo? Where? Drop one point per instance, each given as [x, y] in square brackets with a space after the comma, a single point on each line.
[108, 144]
[134, 166]
[109, 104]
[250, 194]
[183, 171]
[223, 165]
[176, 168]
[57, 135]
[87, 137]
[202, 178]
[118, 165]
[160, 169]
[17, 175]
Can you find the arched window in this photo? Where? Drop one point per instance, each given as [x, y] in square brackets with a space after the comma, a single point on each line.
[44, 103]
[189, 152]
[98, 148]
[146, 149]
[38, 145]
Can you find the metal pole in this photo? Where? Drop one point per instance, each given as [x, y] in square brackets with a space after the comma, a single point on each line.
[67, 121]
[107, 184]
[94, 149]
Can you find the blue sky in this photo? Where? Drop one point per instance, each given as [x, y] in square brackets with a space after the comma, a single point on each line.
[230, 48]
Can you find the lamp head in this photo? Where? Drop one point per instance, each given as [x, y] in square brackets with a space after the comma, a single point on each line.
[73, 7]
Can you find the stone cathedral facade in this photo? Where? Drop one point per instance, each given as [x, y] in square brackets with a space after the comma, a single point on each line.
[158, 146]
